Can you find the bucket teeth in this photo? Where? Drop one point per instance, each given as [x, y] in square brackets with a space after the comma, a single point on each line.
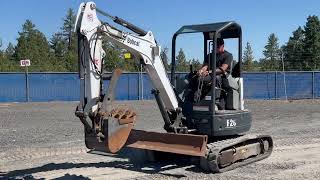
[124, 115]
[127, 114]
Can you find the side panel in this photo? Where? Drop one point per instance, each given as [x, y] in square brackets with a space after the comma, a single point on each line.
[224, 124]
[203, 122]
[231, 123]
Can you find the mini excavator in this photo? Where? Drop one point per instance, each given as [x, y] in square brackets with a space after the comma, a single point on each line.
[201, 130]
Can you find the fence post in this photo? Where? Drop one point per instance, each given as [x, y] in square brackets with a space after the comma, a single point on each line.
[139, 86]
[275, 85]
[312, 84]
[27, 83]
[128, 77]
[142, 90]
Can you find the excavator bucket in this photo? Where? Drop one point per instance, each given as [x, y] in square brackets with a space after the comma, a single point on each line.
[113, 124]
[116, 125]
[116, 128]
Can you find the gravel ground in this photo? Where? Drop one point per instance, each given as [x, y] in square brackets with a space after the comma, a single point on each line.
[45, 140]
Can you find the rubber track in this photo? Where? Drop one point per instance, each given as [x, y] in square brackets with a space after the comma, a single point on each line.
[210, 161]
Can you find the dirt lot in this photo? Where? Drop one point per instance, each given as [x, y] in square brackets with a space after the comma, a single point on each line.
[45, 140]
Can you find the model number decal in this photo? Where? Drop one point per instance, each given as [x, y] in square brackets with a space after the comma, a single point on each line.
[231, 123]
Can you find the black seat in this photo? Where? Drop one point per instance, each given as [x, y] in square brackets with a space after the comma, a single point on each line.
[236, 70]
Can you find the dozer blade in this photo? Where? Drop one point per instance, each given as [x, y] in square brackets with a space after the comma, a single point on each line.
[187, 144]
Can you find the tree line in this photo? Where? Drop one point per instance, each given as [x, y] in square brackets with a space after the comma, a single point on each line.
[59, 53]
[300, 53]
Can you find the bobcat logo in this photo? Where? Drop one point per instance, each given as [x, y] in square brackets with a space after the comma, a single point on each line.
[131, 41]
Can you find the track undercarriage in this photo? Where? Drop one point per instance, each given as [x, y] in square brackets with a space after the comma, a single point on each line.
[229, 154]
[219, 156]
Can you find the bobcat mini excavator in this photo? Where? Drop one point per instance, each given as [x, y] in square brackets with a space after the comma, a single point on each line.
[215, 136]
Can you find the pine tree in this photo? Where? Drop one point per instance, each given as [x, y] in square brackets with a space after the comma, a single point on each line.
[68, 26]
[181, 63]
[33, 45]
[312, 44]
[294, 50]
[195, 64]
[1, 52]
[64, 45]
[10, 51]
[248, 58]
[164, 58]
[2, 58]
[58, 45]
[58, 54]
[271, 61]
[0, 45]
[7, 62]
[70, 37]
[113, 58]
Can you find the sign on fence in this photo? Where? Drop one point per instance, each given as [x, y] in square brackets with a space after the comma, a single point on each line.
[25, 62]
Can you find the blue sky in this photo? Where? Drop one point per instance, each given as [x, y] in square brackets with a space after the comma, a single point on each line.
[163, 17]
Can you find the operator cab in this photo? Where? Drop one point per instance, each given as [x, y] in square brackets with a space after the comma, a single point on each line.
[232, 118]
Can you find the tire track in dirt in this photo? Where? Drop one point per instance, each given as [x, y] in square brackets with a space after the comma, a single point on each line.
[33, 153]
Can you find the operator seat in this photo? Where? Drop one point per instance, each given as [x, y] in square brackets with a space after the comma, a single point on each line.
[230, 84]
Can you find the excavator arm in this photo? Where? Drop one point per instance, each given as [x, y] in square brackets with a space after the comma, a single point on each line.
[143, 47]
